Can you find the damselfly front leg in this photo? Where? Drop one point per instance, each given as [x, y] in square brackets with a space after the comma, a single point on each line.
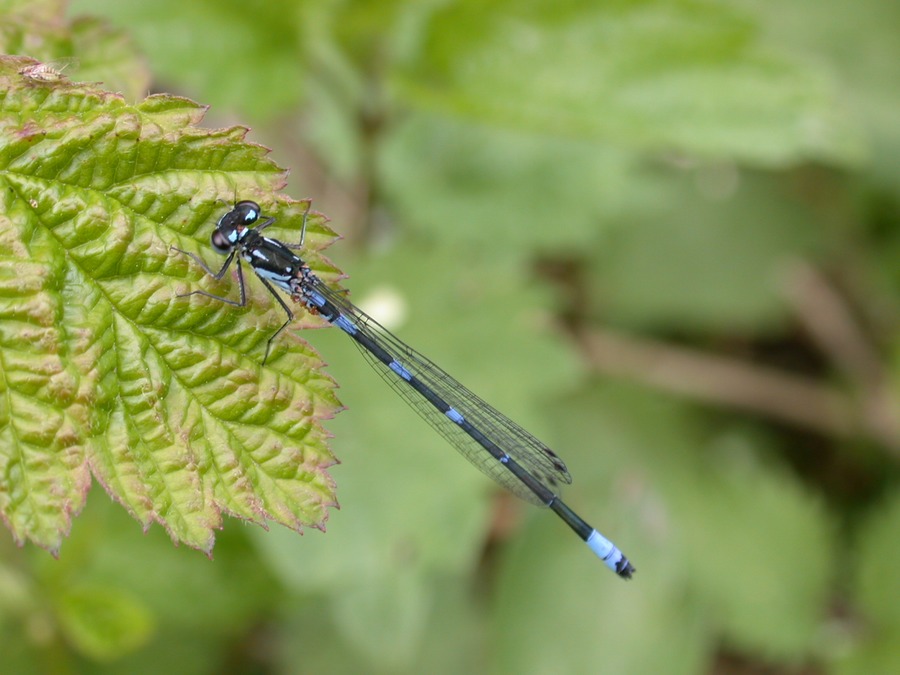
[217, 276]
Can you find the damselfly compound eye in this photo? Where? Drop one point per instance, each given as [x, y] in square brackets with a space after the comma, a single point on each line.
[247, 212]
[220, 242]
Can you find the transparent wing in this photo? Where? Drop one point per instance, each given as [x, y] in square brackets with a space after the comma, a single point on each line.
[523, 447]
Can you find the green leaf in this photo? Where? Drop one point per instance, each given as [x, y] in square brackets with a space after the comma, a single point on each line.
[698, 262]
[105, 369]
[724, 544]
[38, 12]
[505, 190]
[860, 48]
[240, 54]
[876, 587]
[197, 605]
[450, 634]
[108, 55]
[601, 624]
[104, 623]
[772, 534]
[692, 75]
[87, 46]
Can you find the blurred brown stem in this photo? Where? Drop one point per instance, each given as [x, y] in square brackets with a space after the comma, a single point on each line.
[831, 324]
[794, 399]
[717, 379]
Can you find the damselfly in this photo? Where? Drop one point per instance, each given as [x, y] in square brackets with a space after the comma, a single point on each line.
[488, 439]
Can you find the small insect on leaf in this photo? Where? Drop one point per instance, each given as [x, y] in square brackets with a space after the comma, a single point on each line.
[51, 71]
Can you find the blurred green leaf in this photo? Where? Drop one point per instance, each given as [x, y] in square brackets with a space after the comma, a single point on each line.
[874, 648]
[554, 610]
[184, 592]
[860, 48]
[105, 371]
[504, 190]
[88, 48]
[690, 75]
[449, 639]
[770, 532]
[247, 53]
[706, 261]
[386, 618]
[104, 623]
[38, 10]
[109, 56]
[721, 542]
[36, 23]
[197, 606]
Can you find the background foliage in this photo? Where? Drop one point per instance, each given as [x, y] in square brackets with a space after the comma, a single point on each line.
[662, 234]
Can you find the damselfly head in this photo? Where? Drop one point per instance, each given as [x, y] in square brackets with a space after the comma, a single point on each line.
[232, 227]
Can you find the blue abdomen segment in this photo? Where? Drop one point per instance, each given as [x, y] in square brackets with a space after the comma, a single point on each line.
[609, 554]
